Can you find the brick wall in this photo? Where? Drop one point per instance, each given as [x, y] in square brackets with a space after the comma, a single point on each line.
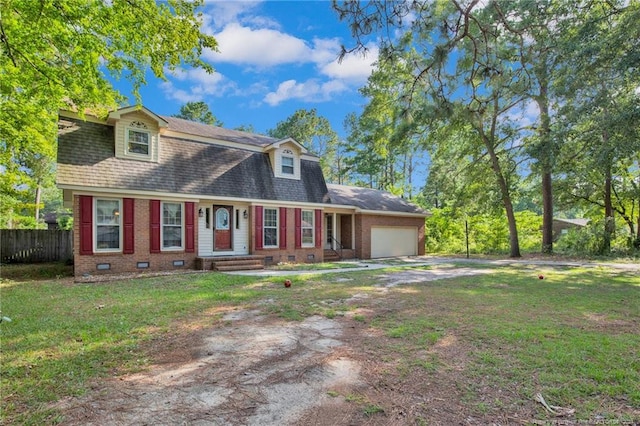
[290, 253]
[120, 263]
[363, 231]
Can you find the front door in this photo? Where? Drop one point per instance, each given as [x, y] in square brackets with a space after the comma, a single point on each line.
[328, 244]
[222, 227]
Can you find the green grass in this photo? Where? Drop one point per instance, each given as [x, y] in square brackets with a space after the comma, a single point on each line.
[572, 336]
[314, 266]
[38, 271]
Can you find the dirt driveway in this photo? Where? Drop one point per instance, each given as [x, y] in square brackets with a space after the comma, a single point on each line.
[256, 369]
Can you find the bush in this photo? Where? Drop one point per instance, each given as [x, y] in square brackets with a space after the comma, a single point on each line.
[589, 241]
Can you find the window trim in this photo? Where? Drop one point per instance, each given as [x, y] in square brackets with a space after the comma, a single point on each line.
[312, 227]
[276, 227]
[292, 165]
[96, 249]
[182, 227]
[149, 141]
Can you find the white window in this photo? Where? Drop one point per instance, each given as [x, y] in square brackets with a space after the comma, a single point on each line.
[270, 228]
[172, 226]
[107, 225]
[287, 165]
[307, 227]
[138, 141]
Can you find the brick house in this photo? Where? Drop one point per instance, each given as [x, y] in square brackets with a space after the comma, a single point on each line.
[150, 192]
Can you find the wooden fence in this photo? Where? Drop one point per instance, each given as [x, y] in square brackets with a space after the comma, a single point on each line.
[35, 245]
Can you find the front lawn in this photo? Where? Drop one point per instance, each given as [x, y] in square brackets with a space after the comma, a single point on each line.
[572, 336]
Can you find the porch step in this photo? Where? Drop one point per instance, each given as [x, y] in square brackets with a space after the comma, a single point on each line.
[226, 268]
[331, 256]
[237, 265]
[230, 263]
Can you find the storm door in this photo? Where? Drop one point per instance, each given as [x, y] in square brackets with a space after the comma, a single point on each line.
[222, 228]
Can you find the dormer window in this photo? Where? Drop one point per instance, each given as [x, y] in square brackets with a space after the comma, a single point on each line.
[287, 163]
[138, 139]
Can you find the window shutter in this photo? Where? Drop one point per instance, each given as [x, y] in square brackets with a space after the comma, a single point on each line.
[318, 225]
[190, 237]
[128, 232]
[86, 224]
[283, 227]
[154, 226]
[298, 214]
[258, 227]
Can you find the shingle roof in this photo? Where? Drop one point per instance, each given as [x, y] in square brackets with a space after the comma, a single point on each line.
[370, 199]
[86, 158]
[205, 130]
[578, 222]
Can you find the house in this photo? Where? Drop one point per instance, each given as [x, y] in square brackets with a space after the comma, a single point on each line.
[562, 226]
[151, 192]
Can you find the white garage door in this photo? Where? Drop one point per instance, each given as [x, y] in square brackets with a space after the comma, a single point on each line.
[391, 241]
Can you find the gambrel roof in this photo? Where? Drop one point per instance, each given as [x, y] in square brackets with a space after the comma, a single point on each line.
[86, 158]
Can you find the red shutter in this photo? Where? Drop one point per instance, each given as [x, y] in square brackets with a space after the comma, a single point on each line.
[258, 227]
[128, 233]
[189, 221]
[283, 227]
[298, 214]
[154, 226]
[86, 224]
[318, 228]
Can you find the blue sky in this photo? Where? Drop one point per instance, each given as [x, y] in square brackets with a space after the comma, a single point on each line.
[274, 58]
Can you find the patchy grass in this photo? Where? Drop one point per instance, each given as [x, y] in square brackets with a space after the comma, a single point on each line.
[572, 337]
[314, 266]
[497, 339]
[63, 335]
[36, 271]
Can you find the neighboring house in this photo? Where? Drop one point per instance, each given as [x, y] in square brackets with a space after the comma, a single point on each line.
[562, 226]
[151, 192]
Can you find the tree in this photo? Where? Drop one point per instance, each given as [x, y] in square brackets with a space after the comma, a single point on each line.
[600, 114]
[458, 78]
[531, 42]
[60, 54]
[315, 133]
[200, 112]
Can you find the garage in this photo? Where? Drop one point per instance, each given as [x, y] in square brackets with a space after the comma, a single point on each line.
[392, 241]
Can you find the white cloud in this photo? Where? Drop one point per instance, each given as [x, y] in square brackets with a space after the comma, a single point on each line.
[179, 95]
[261, 47]
[200, 84]
[354, 67]
[221, 13]
[310, 90]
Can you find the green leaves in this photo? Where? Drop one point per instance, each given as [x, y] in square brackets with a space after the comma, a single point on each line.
[59, 54]
[200, 112]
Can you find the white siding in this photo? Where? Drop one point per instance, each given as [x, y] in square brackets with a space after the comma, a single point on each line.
[124, 123]
[240, 236]
[276, 159]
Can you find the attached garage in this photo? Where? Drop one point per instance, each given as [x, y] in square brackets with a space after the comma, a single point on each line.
[392, 241]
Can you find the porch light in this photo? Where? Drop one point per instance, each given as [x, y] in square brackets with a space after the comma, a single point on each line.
[245, 214]
[200, 213]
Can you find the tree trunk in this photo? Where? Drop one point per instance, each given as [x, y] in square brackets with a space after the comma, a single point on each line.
[545, 160]
[636, 243]
[38, 197]
[514, 244]
[609, 224]
[547, 213]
